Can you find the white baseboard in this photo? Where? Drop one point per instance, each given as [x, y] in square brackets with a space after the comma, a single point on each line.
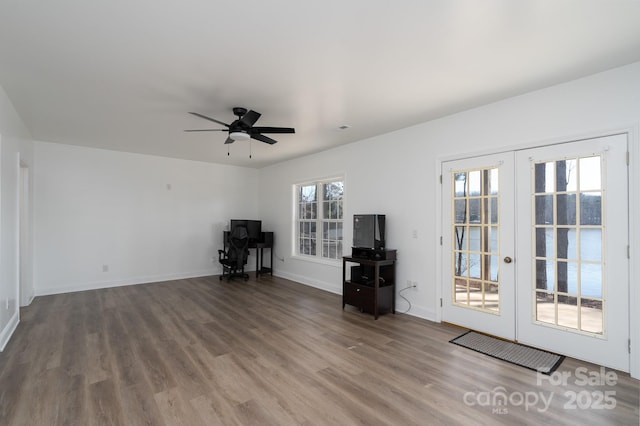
[8, 330]
[421, 312]
[29, 300]
[416, 310]
[124, 282]
[322, 285]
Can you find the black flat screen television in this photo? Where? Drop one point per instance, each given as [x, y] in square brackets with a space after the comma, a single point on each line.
[254, 228]
[369, 231]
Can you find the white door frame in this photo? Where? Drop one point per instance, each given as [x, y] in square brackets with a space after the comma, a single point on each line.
[633, 135]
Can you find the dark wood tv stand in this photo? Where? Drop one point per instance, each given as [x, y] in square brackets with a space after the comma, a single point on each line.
[372, 285]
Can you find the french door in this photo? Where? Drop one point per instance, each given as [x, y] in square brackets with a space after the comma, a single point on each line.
[541, 256]
[478, 244]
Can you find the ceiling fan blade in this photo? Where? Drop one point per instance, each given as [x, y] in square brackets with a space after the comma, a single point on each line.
[263, 138]
[250, 118]
[229, 140]
[208, 118]
[272, 130]
[207, 130]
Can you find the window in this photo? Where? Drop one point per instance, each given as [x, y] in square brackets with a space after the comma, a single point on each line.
[319, 210]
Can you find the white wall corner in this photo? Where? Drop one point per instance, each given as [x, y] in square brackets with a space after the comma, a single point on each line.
[634, 242]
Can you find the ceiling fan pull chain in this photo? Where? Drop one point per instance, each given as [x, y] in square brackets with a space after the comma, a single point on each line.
[250, 145]
[227, 150]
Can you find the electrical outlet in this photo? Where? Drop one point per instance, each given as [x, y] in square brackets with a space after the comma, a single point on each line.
[409, 283]
[105, 268]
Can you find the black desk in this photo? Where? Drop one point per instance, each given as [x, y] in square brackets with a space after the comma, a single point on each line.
[266, 242]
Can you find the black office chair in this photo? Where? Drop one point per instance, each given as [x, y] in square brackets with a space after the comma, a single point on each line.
[234, 259]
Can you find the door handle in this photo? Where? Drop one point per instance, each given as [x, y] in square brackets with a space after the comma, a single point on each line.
[508, 259]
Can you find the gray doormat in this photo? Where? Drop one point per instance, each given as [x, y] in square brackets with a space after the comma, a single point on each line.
[515, 353]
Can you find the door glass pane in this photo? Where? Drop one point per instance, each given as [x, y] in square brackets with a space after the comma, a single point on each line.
[545, 307]
[476, 252]
[545, 275]
[475, 293]
[460, 260]
[474, 183]
[566, 175]
[493, 272]
[493, 209]
[474, 238]
[493, 238]
[591, 279]
[460, 237]
[590, 174]
[460, 292]
[566, 243]
[475, 267]
[460, 184]
[544, 177]
[568, 236]
[568, 311]
[572, 278]
[491, 297]
[591, 244]
[460, 213]
[591, 208]
[545, 245]
[493, 181]
[475, 212]
[566, 209]
[591, 315]
[544, 209]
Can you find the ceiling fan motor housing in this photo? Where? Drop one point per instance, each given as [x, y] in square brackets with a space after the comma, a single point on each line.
[239, 111]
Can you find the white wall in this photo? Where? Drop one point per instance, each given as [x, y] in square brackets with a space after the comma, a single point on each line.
[15, 146]
[96, 207]
[396, 174]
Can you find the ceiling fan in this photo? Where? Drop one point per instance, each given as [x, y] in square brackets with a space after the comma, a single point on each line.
[242, 128]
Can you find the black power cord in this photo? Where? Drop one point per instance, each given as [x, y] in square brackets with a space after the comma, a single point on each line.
[407, 300]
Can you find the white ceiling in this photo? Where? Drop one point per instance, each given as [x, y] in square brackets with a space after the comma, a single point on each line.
[122, 75]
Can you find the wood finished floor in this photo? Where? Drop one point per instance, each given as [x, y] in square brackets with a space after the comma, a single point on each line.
[268, 352]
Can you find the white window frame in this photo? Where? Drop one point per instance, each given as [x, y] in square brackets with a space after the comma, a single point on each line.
[318, 221]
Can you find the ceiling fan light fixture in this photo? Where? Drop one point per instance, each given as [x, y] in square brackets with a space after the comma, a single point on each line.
[239, 136]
